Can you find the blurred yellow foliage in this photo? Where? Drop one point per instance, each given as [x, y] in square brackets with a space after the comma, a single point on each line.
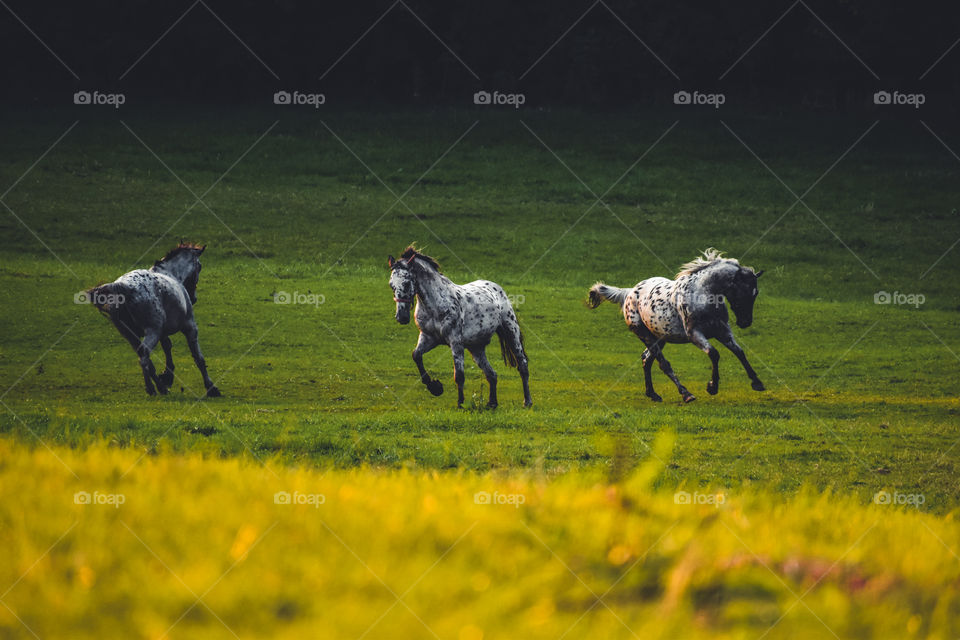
[107, 543]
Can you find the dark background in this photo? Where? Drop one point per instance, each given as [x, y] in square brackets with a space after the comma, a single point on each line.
[801, 63]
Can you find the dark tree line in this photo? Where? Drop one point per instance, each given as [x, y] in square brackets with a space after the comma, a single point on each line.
[610, 57]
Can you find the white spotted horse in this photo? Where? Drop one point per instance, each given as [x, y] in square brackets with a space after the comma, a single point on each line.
[689, 308]
[149, 305]
[459, 316]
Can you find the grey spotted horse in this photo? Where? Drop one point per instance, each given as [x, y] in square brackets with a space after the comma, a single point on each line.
[689, 308]
[460, 316]
[149, 305]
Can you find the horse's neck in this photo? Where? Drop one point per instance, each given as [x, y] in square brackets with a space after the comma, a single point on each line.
[714, 279]
[433, 288]
[177, 267]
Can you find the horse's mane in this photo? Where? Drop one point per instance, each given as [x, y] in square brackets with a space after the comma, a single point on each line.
[710, 257]
[183, 246]
[411, 251]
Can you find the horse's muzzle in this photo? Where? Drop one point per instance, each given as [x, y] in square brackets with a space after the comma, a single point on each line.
[403, 314]
[743, 324]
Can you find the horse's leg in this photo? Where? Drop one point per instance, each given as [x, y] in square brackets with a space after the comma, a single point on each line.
[167, 376]
[457, 349]
[425, 344]
[480, 357]
[130, 336]
[648, 357]
[651, 353]
[190, 332]
[730, 343]
[146, 347]
[668, 370]
[524, 369]
[704, 345]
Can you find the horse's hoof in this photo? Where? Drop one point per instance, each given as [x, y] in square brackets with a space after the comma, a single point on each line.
[712, 388]
[689, 398]
[758, 386]
[151, 391]
[655, 397]
[213, 392]
[162, 390]
[435, 387]
[528, 403]
[166, 378]
[492, 405]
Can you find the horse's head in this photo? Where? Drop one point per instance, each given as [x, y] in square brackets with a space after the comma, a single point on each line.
[183, 263]
[193, 275]
[404, 285]
[741, 293]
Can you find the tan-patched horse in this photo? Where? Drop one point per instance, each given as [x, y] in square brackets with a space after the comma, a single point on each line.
[689, 308]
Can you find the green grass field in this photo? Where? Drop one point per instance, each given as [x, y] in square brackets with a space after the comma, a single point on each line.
[861, 396]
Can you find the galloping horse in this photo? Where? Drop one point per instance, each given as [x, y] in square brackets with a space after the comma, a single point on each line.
[689, 308]
[461, 316]
[154, 303]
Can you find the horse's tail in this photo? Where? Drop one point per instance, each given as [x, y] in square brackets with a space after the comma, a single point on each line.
[600, 292]
[104, 297]
[109, 300]
[508, 343]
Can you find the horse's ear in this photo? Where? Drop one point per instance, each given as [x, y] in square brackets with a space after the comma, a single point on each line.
[760, 273]
[390, 261]
[201, 249]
